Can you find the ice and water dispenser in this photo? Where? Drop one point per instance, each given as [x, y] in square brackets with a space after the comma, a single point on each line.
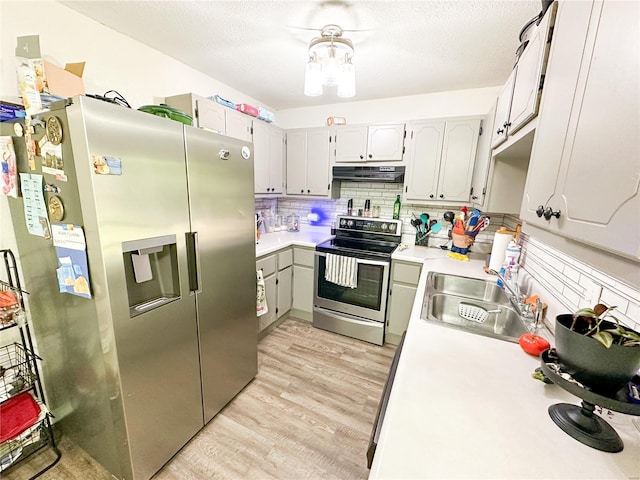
[151, 271]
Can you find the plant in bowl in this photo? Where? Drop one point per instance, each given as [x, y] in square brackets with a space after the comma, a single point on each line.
[596, 349]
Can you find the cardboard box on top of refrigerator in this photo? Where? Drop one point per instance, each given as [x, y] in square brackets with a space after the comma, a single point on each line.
[64, 82]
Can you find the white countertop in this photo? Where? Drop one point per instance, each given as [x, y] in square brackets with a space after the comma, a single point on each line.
[465, 406]
[308, 236]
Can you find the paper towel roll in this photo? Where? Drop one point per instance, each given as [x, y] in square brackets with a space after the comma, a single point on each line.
[500, 244]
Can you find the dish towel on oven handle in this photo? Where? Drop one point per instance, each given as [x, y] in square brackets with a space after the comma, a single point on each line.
[341, 270]
[261, 295]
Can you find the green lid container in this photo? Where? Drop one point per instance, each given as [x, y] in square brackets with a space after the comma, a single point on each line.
[166, 111]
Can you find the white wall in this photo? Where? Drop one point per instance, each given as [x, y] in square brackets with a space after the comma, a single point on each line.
[475, 101]
[114, 61]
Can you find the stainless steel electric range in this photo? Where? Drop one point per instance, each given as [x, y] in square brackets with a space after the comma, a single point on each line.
[359, 309]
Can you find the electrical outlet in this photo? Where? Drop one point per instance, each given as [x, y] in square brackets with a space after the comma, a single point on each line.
[592, 295]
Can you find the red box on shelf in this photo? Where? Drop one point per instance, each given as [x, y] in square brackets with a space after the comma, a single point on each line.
[248, 109]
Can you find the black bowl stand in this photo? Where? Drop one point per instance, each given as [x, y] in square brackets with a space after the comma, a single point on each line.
[582, 423]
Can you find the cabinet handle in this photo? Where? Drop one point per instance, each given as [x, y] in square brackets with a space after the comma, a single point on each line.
[302, 191]
[361, 157]
[308, 191]
[431, 196]
[474, 197]
[370, 155]
[500, 131]
[506, 124]
[548, 213]
[540, 211]
[441, 195]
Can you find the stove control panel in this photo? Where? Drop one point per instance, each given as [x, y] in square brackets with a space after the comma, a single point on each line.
[369, 225]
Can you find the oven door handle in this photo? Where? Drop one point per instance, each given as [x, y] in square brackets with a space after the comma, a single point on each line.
[360, 260]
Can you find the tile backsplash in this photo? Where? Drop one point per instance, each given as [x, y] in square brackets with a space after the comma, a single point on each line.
[576, 285]
[573, 283]
[382, 195]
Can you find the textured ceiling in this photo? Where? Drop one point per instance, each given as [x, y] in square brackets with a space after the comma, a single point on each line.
[260, 47]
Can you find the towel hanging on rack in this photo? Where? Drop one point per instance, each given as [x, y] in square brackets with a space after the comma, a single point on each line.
[341, 270]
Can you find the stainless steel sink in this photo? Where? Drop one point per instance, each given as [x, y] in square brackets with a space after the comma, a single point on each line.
[445, 293]
[467, 287]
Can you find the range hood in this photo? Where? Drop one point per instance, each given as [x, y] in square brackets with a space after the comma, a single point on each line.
[369, 174]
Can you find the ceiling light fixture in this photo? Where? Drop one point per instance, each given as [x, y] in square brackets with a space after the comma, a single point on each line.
[330, 64]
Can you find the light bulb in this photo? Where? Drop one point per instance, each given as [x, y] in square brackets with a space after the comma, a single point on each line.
[347, 81]
[313, 79]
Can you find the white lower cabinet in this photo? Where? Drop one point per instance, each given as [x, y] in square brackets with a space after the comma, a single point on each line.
[284, 282]
[402, 293]
[268, 265]
[277, 273]
[303, 282]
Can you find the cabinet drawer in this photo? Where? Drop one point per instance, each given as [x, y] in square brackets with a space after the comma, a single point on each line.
[406, 273]
[302, 256]
[285, 259]
[267, 265]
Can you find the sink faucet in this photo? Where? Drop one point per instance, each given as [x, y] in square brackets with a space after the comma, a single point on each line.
[516, 298]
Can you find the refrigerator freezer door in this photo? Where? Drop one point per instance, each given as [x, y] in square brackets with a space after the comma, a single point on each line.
[157, 350]
[222, 213]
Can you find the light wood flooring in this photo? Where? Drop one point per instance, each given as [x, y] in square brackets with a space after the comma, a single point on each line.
[307, 414]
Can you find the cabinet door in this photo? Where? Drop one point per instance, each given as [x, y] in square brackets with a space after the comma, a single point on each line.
[210, 115]
[503, 109]
[303, 288]
[600, 173]
[385, 142]
[482, 163]
[318, 161]
[458, 155]
[261, 164]
[401, 302]
[527, 88]
[284, 290]
[238, 125]
[296, 161]
[276, 158]
[351, 143]
[426, 140]
[565, 58]
[271, 290]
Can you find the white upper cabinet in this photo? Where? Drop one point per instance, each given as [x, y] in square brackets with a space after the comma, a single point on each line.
[519, 99]
[503, 108]
[482, 163]
[584, 173]
[308, 161]
[268, 145]
[441, 157]
[362, 143]
[210, 115]
[213, 116]
[425, 152]
[238, 125]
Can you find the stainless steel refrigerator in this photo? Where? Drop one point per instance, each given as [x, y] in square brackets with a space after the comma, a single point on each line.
[168, 335]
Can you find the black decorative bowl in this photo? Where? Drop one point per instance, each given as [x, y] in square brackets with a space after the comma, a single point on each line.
[602, 369]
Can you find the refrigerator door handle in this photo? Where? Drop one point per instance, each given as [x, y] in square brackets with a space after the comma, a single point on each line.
[192, 261]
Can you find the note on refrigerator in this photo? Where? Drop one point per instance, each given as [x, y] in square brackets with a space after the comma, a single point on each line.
[35, 210]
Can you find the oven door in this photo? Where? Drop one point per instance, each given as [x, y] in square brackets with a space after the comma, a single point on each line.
[368, 300]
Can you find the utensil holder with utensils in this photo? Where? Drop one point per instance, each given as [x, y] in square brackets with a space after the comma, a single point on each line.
[422, 239]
